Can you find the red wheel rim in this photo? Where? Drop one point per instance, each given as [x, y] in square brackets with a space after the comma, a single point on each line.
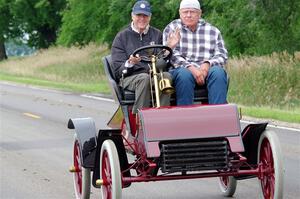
[78, 172]
[106, 176]
[268, 177]
[224, 181]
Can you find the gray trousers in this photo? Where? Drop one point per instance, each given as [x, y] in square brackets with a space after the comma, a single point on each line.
[140, 84]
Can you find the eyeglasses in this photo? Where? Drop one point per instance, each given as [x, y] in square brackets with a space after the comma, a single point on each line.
[191, 12]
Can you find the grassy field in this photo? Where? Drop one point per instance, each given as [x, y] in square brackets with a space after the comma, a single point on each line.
[265, 87]
[73, 69]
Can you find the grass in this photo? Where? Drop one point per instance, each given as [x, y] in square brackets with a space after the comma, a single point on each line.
[66, 86]
[265, 87]
[72, 69]
[271, 81]
[292, 116]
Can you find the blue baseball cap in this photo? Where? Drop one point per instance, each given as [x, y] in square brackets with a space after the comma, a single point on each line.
[141, 7]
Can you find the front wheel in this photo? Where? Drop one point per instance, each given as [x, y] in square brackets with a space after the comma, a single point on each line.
[110, 171]
[270, 160]
[227, 185]
[82, 176]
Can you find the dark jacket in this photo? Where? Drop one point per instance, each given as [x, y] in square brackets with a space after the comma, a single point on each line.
[125, 43]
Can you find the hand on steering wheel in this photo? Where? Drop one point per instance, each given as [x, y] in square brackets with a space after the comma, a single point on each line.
[134, 59]
[159, 51]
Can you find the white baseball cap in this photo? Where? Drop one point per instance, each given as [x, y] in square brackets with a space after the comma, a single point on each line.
[190, 4]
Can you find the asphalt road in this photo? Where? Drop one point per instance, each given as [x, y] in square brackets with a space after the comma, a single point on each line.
[36, 150]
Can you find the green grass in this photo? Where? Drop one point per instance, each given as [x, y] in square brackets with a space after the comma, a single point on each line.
[102, 87]
[271, 113]
[265, 87]
[275, 84]
[71, 69]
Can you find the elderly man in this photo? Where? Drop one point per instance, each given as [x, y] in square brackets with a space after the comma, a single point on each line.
[138, 34]
[199, 55]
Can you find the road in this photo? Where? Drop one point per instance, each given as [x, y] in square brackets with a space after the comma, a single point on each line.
[36, 150]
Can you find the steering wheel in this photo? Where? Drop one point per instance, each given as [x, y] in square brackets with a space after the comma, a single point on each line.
[159, 51]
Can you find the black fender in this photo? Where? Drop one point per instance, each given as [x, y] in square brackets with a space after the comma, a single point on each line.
[85, 132]
[116, 137]
[250, 136]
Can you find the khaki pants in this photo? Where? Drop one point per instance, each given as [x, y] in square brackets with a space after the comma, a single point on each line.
[140, 84]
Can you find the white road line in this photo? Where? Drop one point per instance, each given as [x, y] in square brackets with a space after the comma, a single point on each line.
[97, 98]
[274, 126]
[33, 87]
[111, 100]
[248, 122]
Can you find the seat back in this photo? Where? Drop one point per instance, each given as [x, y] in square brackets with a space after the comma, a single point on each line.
[124, 97]
[111, 78]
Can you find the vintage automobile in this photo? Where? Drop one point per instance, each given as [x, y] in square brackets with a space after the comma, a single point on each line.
[172, 143]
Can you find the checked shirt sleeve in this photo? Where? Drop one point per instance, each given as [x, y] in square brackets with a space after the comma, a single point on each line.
[220, 55]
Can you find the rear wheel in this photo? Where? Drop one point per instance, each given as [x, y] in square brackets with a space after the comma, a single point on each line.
[82, 176]
[110, 171]
[227, 185]
[270, 159]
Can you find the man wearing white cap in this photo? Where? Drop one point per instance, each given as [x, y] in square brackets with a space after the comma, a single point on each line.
[199, 55]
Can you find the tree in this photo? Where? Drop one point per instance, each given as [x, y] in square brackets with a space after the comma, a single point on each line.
[5, 18]
[84, 22]
[40, 19]
[253, 27]
[100, 20]
[237, 22]
[2, 51]
[256, 27]
[280, 21]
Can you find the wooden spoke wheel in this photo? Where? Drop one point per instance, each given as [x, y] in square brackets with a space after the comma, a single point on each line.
[270, 160]
[110, 171]
[82, 176]
[227, 185]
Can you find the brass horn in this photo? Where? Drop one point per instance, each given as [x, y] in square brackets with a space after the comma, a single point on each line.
[165, 85]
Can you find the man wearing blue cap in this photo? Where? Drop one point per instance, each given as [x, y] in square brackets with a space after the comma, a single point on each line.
[138, 34]
[199, 55]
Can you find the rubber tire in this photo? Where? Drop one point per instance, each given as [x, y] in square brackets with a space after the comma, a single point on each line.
[84, 172]
[114, 189]
[277, 159]
[229, 189]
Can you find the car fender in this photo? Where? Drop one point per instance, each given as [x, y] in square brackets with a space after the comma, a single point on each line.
[250, 136]
[85, 130]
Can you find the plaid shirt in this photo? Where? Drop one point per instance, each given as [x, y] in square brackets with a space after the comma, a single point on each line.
[194, 48]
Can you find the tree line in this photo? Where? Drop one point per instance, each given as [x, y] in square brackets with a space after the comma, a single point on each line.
[249, 27]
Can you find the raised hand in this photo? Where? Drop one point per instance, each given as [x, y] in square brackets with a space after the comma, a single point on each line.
[173, 38]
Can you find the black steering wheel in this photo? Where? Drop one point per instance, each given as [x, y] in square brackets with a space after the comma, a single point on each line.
[159, 51]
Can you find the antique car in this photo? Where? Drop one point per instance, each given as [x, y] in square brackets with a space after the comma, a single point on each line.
[172, 143]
